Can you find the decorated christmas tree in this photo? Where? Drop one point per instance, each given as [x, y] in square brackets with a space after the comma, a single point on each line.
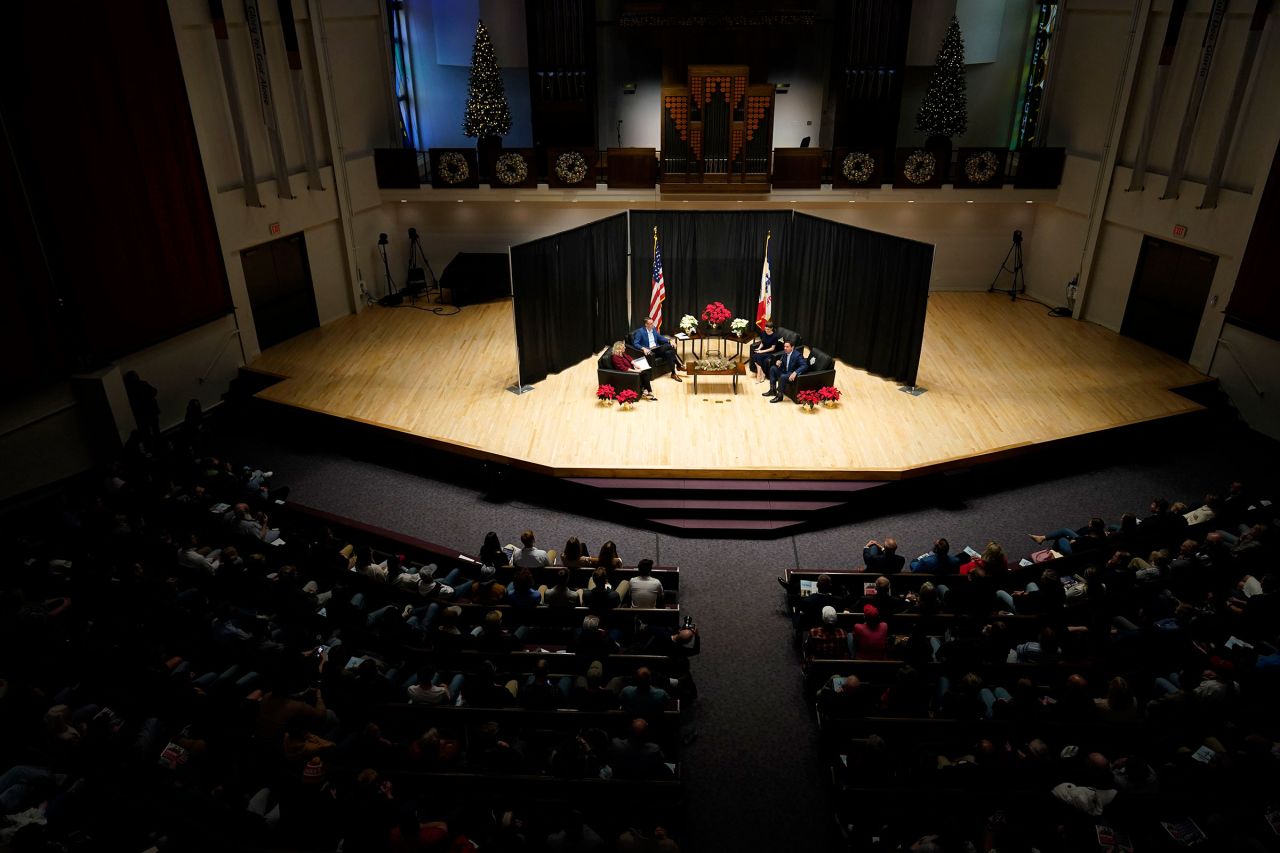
[944, 110]
[487, 111]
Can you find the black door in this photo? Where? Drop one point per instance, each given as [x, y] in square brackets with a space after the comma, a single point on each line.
[1168, 295]
[278, 278]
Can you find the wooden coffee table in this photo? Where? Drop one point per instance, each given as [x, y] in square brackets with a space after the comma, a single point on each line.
[739, 369]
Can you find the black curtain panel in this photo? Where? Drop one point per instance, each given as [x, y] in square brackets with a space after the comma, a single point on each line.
[706, 257]
[569, 296]
[856, 294]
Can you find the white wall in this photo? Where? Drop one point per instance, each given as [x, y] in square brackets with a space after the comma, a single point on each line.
[1091, 72]
[970, 240]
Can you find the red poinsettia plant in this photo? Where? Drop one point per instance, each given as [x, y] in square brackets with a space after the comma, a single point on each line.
[808, 398]
[829, 393]
[716, 313]
[626, 395]
[605, 392]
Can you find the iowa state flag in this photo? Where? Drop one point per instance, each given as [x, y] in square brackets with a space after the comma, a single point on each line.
[764, 305]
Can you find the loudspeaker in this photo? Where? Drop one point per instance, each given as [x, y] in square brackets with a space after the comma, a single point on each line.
[396, 168]
[1040, 168]
[391, 299]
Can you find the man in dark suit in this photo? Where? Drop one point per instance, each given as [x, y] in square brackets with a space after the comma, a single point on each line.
[652, 342]
[785, 369]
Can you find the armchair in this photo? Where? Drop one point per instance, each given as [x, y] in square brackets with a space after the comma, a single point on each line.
[619, 379]
[659, 365]
[821, 372]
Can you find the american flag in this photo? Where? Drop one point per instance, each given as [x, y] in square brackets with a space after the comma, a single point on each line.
[659, 293]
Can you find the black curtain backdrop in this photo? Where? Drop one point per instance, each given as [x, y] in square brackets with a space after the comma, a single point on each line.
[569, 293]
[706, 257]
[858, 295]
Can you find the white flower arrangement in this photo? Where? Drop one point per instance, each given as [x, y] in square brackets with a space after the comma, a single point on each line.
[739, 326]
[688, 324]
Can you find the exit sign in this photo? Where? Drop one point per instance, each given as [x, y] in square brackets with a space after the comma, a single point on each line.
[275, 229]
[1178, 231]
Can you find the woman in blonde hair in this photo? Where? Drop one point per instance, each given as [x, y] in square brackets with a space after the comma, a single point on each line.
[622, 361]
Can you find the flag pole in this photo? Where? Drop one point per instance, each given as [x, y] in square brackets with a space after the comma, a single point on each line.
[651, 266]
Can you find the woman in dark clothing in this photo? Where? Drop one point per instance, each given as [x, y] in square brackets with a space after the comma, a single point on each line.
[491, 553]
[764, 350]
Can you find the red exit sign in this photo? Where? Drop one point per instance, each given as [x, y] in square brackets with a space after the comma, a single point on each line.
[275, 229]
[1178, 231]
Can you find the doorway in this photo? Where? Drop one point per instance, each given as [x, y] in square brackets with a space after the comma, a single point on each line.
[1166, 302]
[278, 278]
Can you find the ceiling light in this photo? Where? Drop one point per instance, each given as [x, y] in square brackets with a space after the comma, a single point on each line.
[404, 201]
[911, 201]
[459, 201]
[968, 201]
[517, 201]
[1029, 201]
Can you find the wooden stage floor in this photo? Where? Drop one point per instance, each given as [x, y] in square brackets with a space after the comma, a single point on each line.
[1001, 377]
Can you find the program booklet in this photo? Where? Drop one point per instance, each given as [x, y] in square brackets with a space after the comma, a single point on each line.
[1185, 832]
[1111, 841]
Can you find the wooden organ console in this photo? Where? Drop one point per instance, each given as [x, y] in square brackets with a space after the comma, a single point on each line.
[717, 132]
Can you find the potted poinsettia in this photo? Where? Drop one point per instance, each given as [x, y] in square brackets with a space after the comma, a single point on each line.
[606, 394]
[688, 324]
[627, 399]
[716, 314]
[808, 400]
[739, 326]
[829, 395]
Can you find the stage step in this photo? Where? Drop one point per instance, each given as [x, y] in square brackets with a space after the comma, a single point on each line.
[723, 508]
[704, 508]
[727, 528]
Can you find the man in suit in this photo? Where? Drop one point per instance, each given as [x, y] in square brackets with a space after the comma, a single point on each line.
[785, 370]
[650, 342]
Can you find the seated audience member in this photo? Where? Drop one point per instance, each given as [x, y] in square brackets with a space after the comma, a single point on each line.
[1161, 524]
[492, 553]
[845, 696]
[871, 636]
[559, 594]
[575, 554]
[601, 594]
[881, 598]
[593, 642]
[809, 610]
[992, 560]
[646, 590]
[1118, 706]
[622, 361]
[827, 641]
[527, 556]
[521, 592]
[637, 757]
[608, 556]
[938, 561]
[882, 559]
[490, 636]
[641, 697]
[1064, 540]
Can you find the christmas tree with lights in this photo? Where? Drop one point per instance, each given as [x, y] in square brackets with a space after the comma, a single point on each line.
[487, 112]
[945, 110]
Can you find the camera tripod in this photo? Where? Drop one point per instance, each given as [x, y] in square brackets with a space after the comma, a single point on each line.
[416, 283]
[1018, 284]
